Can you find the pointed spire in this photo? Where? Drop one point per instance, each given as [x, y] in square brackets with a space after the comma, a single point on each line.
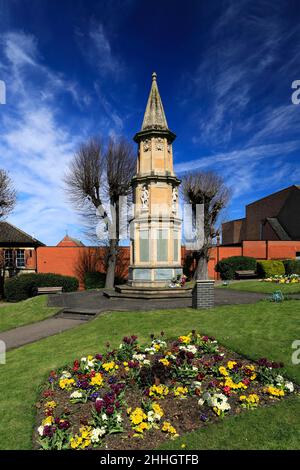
[154, 117]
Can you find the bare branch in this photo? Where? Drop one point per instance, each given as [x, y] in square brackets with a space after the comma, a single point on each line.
[7, 194]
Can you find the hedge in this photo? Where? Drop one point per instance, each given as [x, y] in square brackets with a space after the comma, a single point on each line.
[25, 285]
[270, 267]
[291, 266]
[94, 280]
[227, 267]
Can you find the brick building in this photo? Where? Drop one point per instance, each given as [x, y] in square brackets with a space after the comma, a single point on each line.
[275, 217]
[18, 250]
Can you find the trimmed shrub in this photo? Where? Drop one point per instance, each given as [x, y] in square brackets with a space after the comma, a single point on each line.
[227, 267]
[291, 266]
[270, 267]
[94, 280]
[25, 285]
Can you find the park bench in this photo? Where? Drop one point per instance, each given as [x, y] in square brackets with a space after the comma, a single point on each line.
[49, 290]
[243, 274]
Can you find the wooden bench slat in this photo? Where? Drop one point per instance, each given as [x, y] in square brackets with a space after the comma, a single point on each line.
[49, 290]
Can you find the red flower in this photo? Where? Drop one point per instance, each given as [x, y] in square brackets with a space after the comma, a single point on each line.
[246, 382]
[76, 365]
[226, 390]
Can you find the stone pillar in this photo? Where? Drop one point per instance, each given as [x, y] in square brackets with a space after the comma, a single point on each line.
[204, 294]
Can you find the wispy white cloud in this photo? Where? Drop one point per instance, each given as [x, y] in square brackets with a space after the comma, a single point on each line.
[36, 146]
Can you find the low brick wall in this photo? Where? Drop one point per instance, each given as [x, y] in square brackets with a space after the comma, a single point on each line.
[204, 294]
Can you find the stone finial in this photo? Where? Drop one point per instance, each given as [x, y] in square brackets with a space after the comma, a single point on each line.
[154, 117]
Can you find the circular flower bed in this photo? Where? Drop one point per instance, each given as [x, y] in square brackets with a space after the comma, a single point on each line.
[134, 397]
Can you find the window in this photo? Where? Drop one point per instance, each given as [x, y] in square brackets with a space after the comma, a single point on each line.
[9, 258]
[144, 245]
[20, 259]
[162, 245]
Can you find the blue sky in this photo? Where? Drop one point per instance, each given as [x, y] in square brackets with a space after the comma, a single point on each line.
[75, 68]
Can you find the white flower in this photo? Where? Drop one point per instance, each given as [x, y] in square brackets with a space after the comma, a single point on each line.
[83, 359]
[119, 418]
[146, 362]
[150, 416]
[201, 402]
[65, 374]
[104, 417]
[76, 394]
[97, 433]
[138, 357]
[194, 368]
[41, 430]
[289, 386]
[279, 379]
[91, 363]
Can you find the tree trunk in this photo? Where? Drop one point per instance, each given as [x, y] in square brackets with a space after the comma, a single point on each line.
[201, 271]
[111, 264]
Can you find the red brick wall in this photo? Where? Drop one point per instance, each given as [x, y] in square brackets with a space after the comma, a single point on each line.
[65, 260]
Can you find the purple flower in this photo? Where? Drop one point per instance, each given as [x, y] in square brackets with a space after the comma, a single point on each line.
[94, 396]
[203, 418]
[99, 405]
[110, 410]
[49, 431]
[99, 357]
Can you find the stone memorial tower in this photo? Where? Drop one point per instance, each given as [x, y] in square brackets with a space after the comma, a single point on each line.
[155, 255]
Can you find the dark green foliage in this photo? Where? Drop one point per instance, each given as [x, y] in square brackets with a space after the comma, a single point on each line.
[291, 266]
[269, 268]
[227, 267]
[25, 285]
[94, 280]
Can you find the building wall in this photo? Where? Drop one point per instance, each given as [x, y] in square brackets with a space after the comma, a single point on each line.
[233, 231]
[258, 211]
[67, 260]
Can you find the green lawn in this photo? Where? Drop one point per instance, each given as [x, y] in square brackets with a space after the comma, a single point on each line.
[25, 312]
[262, 329]
[263, 287]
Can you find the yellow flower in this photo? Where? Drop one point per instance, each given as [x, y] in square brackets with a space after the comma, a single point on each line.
[223, 371]
[180, 391]
[231, 364]
[125, 364]
[167, 427]
[273, 391]
[164, 361]
[97, 379]
[157, 409]
[85, 431]
[157, 347]
[137, 416]
[50, 405]
[90, 358]
[48, 421]
[217, 410]
[141, 427]
[158, 390]
[108, 366]
[75, 442]
[66, 383]
[185, 339]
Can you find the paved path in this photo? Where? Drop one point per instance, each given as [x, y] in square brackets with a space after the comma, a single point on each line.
[30, 333]
[94, 301]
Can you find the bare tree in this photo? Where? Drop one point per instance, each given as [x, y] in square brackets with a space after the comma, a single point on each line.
[97, 177]
[7, 203]
[205, 190]
[7, 194]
